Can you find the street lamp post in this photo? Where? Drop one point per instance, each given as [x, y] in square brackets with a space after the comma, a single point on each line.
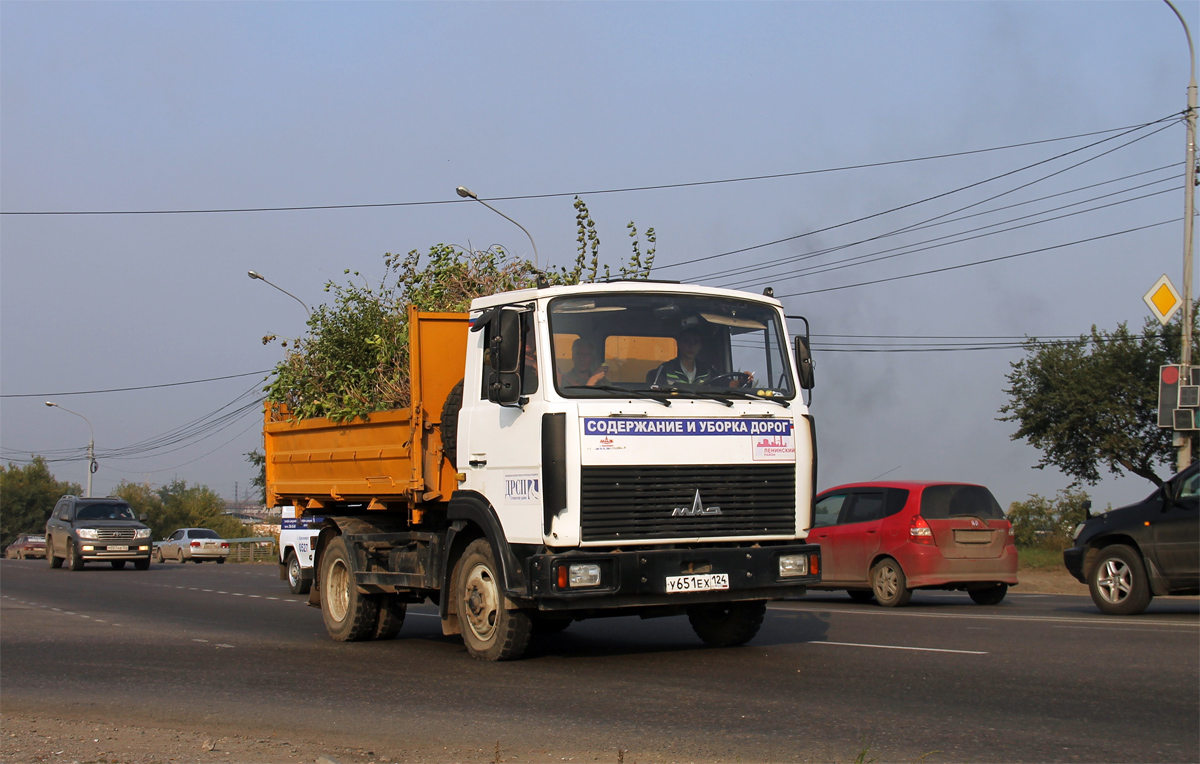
[466, 193]
[259, 276]
[1189, 213]
[91, 466]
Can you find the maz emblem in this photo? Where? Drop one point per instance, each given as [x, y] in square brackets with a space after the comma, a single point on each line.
[696, 510]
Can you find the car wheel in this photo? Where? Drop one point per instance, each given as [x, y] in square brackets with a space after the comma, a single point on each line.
[74, 561]
[55, 562]
[490, 631]
[220, 560]
[349, 615]
[727, 624]
[861, 595]
[117, 564]
[297, 584]
[992, 595]
[1118, 582]
[391, 616]
[158, 556]
[142, 564]
[889, 584]
[181, 560]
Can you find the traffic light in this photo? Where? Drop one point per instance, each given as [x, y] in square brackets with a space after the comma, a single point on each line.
[1178, 397]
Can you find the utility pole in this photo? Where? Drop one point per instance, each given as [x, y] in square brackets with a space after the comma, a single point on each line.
[1189, 213]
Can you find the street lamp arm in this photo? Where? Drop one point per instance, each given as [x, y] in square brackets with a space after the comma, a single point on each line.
[466, 193]
[91, 444]
[260, 277]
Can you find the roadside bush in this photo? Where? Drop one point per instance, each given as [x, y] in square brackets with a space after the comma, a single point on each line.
[1047, 523]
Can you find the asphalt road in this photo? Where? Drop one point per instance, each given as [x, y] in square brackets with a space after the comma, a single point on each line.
[1037, 678]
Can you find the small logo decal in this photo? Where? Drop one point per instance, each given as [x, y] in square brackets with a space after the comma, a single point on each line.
[696, 510]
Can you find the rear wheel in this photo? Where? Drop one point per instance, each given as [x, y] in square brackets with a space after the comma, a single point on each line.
[1118, 582]
[889, 584]
[992, 595]
[391, 616]
[297, 584]
[861, 595]
[117, 564]
[350, 616]
[727, 624]
[55, 562]
[74, 561]
[220, 560]
[491, 632]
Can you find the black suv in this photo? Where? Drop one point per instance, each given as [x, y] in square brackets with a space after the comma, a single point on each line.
[1129, 555]
[90, 530]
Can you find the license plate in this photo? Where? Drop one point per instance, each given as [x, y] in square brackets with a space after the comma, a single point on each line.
[703, 583]
[118, 548]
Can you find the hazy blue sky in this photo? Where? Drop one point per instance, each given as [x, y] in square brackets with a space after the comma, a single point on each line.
[185, 106]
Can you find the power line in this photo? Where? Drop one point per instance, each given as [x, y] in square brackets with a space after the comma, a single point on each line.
[658, 187]
[127, 389]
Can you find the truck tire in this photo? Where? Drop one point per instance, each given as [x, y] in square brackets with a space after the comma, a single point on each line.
[727, 624]
[449, 426]
[297, 584]
[350, 616]
[491, 632]
[391, 616]
[55, 562]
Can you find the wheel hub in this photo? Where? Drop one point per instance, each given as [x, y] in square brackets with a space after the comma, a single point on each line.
[482, 602]
[1115, 581]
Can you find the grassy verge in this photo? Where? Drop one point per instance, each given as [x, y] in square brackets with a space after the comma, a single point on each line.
[1036, 558]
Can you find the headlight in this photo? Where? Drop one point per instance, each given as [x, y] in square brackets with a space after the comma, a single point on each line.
[583, 575]
[142, 533]
[1078, 530]
[87, 533]
[793, 565]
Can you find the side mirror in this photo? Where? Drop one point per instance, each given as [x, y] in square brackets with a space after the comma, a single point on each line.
[804, 363]
[143, 517]
[506, 353]
[1087, 508]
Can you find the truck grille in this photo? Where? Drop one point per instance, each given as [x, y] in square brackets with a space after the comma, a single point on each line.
[115, 534]
[629, 503]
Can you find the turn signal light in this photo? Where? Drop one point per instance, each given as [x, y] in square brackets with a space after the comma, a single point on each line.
[920, 532]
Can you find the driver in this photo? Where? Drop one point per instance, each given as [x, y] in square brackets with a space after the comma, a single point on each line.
[684, 368]
[586, 372]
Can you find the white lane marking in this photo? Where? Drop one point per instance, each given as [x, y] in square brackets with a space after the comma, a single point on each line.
[982, 617]
[1117, 628]
[901, 647]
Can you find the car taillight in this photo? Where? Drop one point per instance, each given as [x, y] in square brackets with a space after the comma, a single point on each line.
[919, 531]
[224, 544]
[195, 543]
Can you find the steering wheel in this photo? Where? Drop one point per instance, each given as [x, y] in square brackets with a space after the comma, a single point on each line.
[743, 378]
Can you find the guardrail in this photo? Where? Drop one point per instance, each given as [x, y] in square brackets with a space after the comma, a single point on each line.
[257, 549]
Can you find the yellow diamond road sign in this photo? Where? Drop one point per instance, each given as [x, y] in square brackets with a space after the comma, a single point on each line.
[1163, 300]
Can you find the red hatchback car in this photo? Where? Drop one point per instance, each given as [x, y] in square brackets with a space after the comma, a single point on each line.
[884, 540]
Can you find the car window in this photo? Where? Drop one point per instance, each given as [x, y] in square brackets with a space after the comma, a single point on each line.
[1191, 487]
[203, 533]
[940, 502]
[827, 509]
[896, 499]
[104, 512]
[176, 536]
[865, 506]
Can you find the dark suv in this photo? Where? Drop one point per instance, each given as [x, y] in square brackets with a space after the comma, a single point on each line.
[90, 530]
[1129, 555]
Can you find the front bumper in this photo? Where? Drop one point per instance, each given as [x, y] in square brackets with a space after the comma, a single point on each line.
[1073, 560]
[92, 550]
[639, 578]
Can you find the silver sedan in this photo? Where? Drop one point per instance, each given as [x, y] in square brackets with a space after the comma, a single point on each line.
[195, 544]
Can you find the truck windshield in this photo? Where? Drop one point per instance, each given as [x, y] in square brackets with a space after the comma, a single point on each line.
[663, 343]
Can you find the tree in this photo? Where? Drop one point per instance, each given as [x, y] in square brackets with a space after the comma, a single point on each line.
[178, 505]
[354, 358]
[1047, 523]
[259, 481]
[1093, 403]
[27, 497]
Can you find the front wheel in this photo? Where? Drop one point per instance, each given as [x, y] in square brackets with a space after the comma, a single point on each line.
[727, 624]
[490, 632]
[992, 595]
[350, 615]
[158, 556]
[1118, 582]
[117, 564]
[142, 564]
[889, 584]
[74, 561]
[297, 584]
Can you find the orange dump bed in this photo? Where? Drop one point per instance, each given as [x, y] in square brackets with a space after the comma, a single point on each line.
[391, 461]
